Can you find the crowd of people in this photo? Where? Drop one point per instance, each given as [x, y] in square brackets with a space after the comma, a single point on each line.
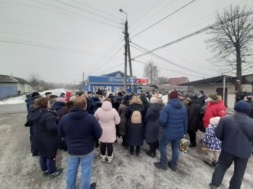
[77, 123]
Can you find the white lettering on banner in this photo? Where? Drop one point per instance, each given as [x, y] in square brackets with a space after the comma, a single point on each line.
[111, 79]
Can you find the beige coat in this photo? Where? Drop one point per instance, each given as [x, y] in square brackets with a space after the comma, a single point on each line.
[108, 117]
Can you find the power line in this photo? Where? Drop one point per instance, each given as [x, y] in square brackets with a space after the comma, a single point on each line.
[163, 18]
[158, 11]
[174, 71]
[86, 11]
[8, 40]
[77, 14]
[109, 69]
[168, 61]
[185, 37]
[108, 59]
[113, 16]
[153, 5]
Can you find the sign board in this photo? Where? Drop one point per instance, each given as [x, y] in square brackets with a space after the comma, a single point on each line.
[141, 81]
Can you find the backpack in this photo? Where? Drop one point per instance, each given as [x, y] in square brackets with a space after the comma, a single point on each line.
[136, 117]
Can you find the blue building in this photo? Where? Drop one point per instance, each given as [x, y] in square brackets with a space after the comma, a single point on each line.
[12, 86]
[112, 82]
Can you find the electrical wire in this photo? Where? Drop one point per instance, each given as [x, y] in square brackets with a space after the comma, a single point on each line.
[185, 37]
[153, 6]
[83, 16]
[109, 69]
[144, 6]
[113, 16]
[67, 4]
[148, 18]
[95, 68]
[168, 61]
[163, 18]
[8, 40]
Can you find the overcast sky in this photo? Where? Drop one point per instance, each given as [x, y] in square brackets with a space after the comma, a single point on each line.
[62, 39]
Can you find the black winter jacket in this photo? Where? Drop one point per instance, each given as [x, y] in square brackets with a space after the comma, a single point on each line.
[81, 130]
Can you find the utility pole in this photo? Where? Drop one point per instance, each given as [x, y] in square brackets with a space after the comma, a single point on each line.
[127, 52]
[129, 59]
[125, 70]
[82, 86]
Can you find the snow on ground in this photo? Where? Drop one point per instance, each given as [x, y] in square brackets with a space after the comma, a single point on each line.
[21, 99]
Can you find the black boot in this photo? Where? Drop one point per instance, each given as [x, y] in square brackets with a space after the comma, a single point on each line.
[137, 150]
[152, 151]
[131, 150]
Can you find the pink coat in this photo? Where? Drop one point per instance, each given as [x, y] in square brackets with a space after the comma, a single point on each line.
[108, 117]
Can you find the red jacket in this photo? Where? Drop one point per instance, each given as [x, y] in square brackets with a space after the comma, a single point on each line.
[214, 109]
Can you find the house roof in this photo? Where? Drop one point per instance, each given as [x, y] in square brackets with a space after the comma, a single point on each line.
[178, 80]
[7, 79]
[112, 73]
[20, 80]
[246, 79]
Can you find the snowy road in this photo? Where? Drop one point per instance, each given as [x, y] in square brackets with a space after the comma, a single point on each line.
[19, 170]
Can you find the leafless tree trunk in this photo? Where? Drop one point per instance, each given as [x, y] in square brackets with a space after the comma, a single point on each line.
[151, 71]
[231, 42]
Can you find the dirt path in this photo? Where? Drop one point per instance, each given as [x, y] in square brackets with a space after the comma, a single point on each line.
[19, 170]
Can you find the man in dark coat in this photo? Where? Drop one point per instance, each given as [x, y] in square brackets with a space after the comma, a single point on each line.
[194, 119]
[81, 130]
[250, 102]
[236, 146]
[174, 121]
[30, 108]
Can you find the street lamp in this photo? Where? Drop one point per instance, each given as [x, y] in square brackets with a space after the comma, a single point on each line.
[120, 10]
[127, 52]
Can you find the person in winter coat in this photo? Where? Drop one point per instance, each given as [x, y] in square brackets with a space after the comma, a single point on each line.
[135, 131]
[236, 145]
[81, 131]
[59, 107]
[151, 122]
[215, 107]
[108, 117]
[123, 120]
[44, 121]
[67, 96]
[95, 104]
[144, 100]
[250, 102]
[174, 121]
[212, 143]
[30, 108]
[194, 119]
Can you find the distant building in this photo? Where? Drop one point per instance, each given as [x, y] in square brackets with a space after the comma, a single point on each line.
[177, 80]
[13, 86]
[112, 82]
[223, 85]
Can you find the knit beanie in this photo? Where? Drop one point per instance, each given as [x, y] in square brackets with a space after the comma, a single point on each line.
[242, 107]
[173, 95]
[35, 94]
[126, 98]
[213, 96]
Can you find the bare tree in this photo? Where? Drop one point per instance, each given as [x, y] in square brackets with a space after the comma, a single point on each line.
[34, 81]
[162, 80]
[233, 37]
[151, 71]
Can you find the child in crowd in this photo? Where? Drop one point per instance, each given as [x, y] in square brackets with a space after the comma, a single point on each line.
[212, 143]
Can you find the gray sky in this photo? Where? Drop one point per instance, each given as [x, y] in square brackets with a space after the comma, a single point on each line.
[61, 39]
